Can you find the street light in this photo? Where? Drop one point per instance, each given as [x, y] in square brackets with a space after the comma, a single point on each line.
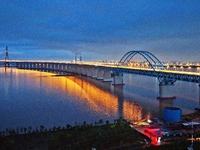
[192, 136]
[181, 68]
[198, 69]
[174, 68]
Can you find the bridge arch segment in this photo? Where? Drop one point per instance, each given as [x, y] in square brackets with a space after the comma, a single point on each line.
[153, 61]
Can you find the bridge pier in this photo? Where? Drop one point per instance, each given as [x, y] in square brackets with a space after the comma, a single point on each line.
[60, 67]
[38, 66]
[53, 67]
[118, 78]
[23, 66]
[89, 72]
[94, 73]
[29, 65]
[17, 65]
[76, 69]
[84, 71]
[64, 67]
[100, 74]
[166, 91]
[118, 91]
[47, 67]
[198, 107]
[33, 66]
[50, 66]
[107, 76]
[41, 66]
[70, 68]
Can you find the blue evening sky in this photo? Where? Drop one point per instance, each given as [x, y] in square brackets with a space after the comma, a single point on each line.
[100, 29]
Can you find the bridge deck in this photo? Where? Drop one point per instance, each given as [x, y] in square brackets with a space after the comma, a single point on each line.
[168, 74]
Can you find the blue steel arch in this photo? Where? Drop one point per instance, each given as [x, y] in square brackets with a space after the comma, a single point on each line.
[153, 61]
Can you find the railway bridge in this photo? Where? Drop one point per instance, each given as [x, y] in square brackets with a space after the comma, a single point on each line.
[112, 72]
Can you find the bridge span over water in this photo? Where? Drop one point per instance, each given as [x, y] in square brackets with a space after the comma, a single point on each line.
[113, 72]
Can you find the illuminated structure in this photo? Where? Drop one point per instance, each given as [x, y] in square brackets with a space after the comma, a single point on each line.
[109, 72]
[166, 82]
[6, 58]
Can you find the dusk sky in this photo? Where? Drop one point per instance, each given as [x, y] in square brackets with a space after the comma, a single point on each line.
[100, 29]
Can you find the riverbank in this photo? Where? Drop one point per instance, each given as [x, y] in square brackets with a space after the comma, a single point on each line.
[101, 136]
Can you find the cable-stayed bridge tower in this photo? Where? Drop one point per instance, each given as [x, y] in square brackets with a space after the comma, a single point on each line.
[7, 64]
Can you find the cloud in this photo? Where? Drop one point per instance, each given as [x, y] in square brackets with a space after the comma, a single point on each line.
[102, 27]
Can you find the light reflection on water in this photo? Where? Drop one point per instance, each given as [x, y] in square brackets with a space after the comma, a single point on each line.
[32, 98]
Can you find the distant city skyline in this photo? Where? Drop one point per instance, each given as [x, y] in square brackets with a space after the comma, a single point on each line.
[100, 30]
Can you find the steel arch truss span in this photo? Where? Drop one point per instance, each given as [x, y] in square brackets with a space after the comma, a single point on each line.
[154, 63]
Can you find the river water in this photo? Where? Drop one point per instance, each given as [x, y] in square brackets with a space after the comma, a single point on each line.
[33, 98]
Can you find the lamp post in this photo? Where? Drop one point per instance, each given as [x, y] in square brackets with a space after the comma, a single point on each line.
[198, 69]
[181, 68]
[192, 136]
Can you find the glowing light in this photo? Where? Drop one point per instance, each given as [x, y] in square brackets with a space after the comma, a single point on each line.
[149, 121]
[86, 91]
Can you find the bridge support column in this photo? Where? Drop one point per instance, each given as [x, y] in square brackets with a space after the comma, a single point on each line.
[36, 66]
[59, 67]
[83, 70]
[20, 65]
[198, 107]
[118, 91]
[94, 73]
[53, 67]
[41, 66]
[64, 67]
[89, 72]
[78, 70]
[17, 65]
[69, 68]
[30, 66]
[118, 78]
[74, 69]
[33, 66]
[24, 65]
[100, 74]
[47, 67]
[107, 76]
[166, 91]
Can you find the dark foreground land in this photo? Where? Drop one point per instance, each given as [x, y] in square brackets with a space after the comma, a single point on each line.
[117, 136]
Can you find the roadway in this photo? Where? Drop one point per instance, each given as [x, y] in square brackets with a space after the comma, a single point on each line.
[162, 73]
